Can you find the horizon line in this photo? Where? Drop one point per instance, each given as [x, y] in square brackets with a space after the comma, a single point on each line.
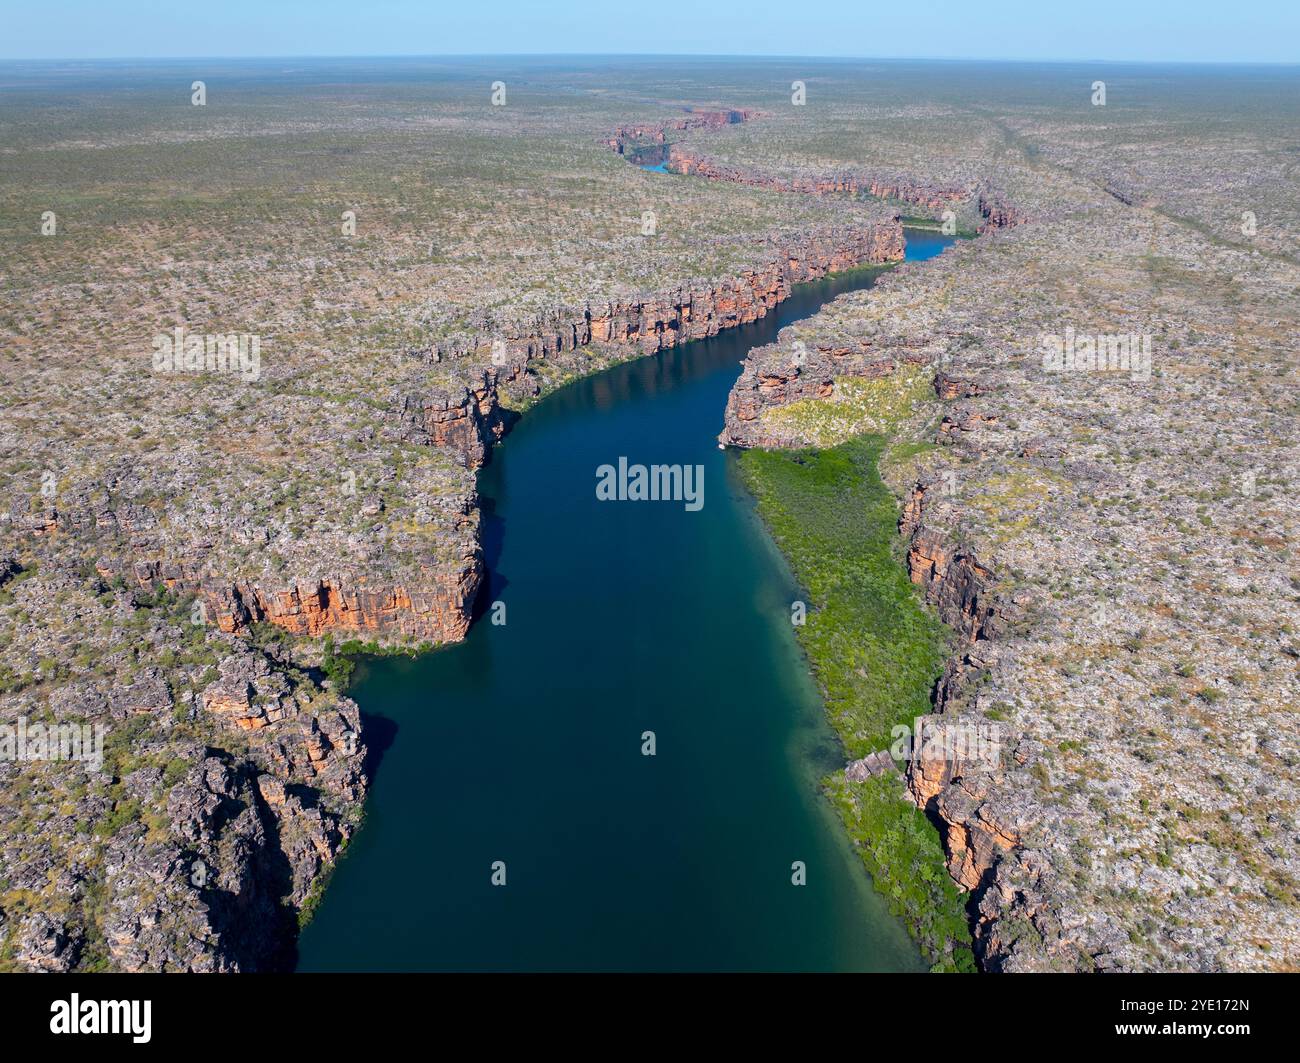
[649, 55]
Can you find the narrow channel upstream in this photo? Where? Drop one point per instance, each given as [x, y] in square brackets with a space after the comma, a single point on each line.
[523, 744]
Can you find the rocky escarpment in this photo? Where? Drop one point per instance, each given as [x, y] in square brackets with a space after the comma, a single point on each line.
[953, 580]
[689, 159]
[993, 209]
[948, 773]
[806, 363]
[1093, 766]
[194, 831]
[649, 142]
[627, 138]
[955, 762]
[779, 374]
[778, 378]
[469, 422]
[437, 611]
[252, 828]
[650, 322]
[432, 601]
[960, 589]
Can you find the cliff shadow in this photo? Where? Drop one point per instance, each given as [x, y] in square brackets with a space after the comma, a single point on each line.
[257, 929]
[492, 536]
[380, 733]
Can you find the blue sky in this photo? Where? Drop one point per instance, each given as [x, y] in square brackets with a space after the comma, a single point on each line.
[1187, 31]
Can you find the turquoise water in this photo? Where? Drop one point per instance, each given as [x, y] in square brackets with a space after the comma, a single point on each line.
[524, 743]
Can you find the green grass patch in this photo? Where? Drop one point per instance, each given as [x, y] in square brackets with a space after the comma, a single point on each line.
[875, 652]
[902, 851]
[858, 406]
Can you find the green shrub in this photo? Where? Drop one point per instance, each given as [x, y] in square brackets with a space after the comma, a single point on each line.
[902, 851]
[876, 653]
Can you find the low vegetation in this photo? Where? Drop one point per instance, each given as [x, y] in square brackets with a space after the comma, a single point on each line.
[875, 652]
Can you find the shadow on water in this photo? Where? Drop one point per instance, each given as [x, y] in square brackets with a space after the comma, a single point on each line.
[626, 623]
[381, 733]
[492, 536]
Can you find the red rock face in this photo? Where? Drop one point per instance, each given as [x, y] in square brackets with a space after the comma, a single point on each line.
[437, 609]
[438, 612]
[687, 314]
[994, 211]
[959, 588]
[466, 424]
[469, 423]
[437, 606]
[656, 132]
[947, 386]
[997, 212]
[688, 160]
[772, 377]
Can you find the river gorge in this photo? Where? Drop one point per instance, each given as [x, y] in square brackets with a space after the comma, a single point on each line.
[618, 769]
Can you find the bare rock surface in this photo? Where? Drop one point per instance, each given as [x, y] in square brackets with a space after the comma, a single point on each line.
[1114, 550]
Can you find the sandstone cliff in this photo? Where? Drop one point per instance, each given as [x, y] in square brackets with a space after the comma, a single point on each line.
[991, 206]
[432, 600]
[627, 137]
[1041, 521]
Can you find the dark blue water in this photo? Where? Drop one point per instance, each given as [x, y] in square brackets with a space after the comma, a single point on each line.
[523, 744]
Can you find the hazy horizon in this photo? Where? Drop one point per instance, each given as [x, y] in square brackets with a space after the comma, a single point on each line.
[774, 56]
[1200, 32]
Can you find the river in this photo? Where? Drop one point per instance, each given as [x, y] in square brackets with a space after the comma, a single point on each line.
[524, 744]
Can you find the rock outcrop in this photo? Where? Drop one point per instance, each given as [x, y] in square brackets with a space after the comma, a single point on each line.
[990, 205]
[224, 787]
[434, 602]
[626, 138]
[646, 324]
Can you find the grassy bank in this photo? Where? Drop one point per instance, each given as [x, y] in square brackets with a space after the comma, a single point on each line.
[875, 653]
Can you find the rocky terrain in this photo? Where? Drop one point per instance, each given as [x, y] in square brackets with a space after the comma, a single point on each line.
[1111, 547]
[1113, 553]
[227, 782]
[205, 526]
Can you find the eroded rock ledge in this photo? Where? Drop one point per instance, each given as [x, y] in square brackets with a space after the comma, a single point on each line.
[990, 205]
[952, 579]
[626, 138]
